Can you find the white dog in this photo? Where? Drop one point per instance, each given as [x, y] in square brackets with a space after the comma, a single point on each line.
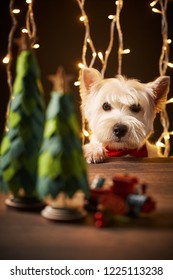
[120, 113]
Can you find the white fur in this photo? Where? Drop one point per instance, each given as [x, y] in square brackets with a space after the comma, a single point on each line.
[120, 93]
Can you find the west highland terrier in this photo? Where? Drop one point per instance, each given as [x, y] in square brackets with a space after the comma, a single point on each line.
[120, 113]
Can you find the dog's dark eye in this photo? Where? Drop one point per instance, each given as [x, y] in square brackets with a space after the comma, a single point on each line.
[136, 108]
[106, 106]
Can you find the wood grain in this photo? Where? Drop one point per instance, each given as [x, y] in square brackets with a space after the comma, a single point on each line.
[26, 235]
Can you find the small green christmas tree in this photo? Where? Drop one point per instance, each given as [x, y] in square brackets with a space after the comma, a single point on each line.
[61, 166]
[24, 130]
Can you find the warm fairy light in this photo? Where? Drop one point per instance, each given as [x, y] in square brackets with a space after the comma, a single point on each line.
[164, 141]
[24, 30]
[77, 83]
[82, 18]
[156, 11]
[16, 11]
[126, 51]
[111, 17]
[100, 55]
[6, 59]
[36, 46]
[152, 4]
[167, 136]
[86, 133]
[170, 64]
[160, 144]
[169, 100]
[28, 1]
[88, 43]
[81, 65]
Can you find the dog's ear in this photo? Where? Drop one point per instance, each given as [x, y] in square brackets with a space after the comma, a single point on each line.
[89, 76]
[160, 89]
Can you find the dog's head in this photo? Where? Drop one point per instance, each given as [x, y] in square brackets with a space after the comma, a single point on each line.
[120, 111]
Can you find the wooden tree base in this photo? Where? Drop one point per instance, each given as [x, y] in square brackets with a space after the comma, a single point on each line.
[63, 214]
[27, 204]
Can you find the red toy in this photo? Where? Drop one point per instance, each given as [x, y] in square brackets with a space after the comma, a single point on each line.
[126, 196]
[123, 185]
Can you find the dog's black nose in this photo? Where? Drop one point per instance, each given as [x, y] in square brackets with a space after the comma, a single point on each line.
[119, 130]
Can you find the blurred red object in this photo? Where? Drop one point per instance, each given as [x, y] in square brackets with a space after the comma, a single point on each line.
[123, 185]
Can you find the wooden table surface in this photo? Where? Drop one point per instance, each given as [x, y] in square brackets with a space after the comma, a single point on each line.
[27, 235]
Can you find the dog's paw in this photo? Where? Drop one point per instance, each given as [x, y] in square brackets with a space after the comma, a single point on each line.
[94, 153]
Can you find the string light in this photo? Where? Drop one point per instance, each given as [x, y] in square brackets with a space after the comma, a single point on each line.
[24, 30]
[170, 64]
[88, 40]
[126, 51]
[31, 30]
[169, 41]
[163, 64]
[100, 55]
[6, 59]
[81, 65]
[36, 46]
[160, 144]
[30, 22]
[77, 83]
[110, 45]
[10, 43]
[156, 11]
[16, 11]
[112, 17]
[86, 133]
[152, 4]
[167, 136]
[88, 43]
[169, 100]
[82, 18]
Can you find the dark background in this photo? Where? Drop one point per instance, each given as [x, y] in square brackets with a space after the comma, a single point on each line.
[61, 34]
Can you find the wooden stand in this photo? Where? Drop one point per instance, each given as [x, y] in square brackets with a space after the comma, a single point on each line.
[25, 203]
[64, 214]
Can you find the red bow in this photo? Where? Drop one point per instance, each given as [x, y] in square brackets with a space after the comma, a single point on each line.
[142, 152]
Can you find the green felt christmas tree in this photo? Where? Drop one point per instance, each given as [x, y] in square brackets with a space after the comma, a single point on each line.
[24, 129]
[62, 167]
